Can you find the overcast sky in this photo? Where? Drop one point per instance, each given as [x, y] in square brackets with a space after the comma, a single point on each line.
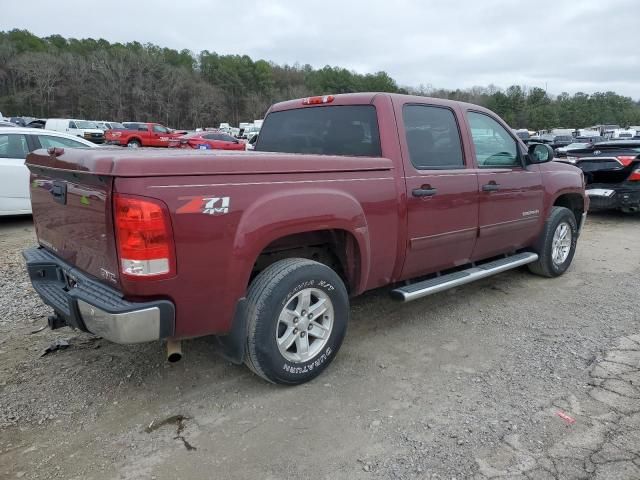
[577, 45]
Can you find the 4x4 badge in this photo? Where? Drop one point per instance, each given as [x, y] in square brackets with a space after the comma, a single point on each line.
[206, 205]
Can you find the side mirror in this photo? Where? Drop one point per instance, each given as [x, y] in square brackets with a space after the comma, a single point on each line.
[540, 153]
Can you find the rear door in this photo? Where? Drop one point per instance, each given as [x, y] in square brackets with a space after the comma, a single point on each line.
[14, 175]
[510, 191]
[441, 190]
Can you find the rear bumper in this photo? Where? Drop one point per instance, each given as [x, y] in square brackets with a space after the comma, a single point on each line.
[618, 197]
[86, 304]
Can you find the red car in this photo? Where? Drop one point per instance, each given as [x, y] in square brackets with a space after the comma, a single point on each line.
[208, 141]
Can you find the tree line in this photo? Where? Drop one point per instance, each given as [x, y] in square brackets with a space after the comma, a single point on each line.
[94, 79]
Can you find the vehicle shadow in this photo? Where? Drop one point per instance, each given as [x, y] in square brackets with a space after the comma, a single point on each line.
[613, 216]
[15, 221]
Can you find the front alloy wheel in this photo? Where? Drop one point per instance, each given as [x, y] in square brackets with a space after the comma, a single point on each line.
[561, 243]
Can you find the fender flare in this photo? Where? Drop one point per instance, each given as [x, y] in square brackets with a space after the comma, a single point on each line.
[283, 213]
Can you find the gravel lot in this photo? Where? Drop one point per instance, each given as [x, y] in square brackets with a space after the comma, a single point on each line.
[513, 377]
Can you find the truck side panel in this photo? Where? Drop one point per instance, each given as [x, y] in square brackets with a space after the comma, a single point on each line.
[222, 223]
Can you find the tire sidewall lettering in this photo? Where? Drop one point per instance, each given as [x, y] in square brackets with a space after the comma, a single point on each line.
[318, 361]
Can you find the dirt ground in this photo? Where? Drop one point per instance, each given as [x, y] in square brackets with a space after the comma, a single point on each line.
[513, 377]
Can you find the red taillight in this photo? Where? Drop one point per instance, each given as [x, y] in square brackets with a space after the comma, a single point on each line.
[318, 100]
[626, 160]
[635, 176]
[143, 236]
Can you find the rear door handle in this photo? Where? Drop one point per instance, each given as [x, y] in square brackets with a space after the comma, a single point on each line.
[424, 192]
[491, 187]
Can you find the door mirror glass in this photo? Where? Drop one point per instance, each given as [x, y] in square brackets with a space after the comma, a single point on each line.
[540, 153]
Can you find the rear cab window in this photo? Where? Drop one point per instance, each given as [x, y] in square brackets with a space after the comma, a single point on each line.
[349, 130]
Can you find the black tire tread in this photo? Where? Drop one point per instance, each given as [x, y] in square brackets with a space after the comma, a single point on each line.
[541, 266]
[259, 291]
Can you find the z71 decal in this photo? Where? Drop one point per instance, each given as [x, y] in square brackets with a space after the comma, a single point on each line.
[206, 205]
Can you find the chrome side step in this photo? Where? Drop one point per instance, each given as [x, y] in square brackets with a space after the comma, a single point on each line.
[455, 279]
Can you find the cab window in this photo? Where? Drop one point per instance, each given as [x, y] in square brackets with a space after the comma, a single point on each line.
[432, 137]
[494, 146]
[160, 129]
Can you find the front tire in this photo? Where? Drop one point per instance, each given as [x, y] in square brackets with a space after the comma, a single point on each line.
[298, 312]
[557, 244]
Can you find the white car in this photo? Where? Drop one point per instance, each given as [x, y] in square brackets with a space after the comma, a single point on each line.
[15, 144]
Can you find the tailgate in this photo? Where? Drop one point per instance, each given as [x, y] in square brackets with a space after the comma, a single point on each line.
[73, 218]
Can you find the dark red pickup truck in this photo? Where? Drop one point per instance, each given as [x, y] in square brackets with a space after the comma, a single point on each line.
[137, 134]
[264, 249]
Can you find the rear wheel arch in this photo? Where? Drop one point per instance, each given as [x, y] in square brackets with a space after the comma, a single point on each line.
[339, 249]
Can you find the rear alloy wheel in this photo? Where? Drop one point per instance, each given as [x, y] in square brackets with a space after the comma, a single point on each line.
[305, 325]
[297, 315]
[557, 243]
[133, 144]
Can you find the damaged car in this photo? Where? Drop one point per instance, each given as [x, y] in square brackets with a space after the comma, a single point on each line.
[612, 174]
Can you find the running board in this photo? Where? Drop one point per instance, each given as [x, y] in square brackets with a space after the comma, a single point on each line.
[455, 279]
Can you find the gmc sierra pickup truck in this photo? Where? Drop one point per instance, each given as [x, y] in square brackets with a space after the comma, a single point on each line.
[264, 249]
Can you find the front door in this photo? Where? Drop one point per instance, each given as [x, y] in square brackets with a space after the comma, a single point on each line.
[441, 189]
[160, 136]
[510, 191]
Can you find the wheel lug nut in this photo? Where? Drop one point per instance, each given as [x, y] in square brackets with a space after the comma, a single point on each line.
[304, 312]
[295, 330]
[309, 327]
[295, 320]
[310, 316]
[302, 334]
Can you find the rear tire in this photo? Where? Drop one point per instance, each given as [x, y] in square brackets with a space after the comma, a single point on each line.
[297, 312]
[134, 144]
[557, 244]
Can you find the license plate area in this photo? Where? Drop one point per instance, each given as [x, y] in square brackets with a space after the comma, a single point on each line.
[600, 192]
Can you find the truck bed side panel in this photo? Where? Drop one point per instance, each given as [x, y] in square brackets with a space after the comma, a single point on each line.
[216, 250]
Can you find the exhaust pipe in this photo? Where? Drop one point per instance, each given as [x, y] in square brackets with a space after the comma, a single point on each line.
[174, 350]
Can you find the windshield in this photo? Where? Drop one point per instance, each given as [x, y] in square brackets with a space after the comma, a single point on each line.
[350, 130]
[85, 124]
